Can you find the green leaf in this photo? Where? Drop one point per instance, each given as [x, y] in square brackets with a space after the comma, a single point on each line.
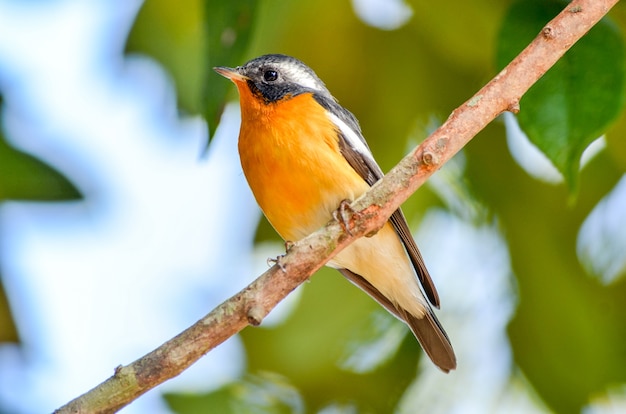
[173, 34]
[577, 99]
[190, 37]
[8, 330]
[566, 323]
[23, 177]
[229, 27]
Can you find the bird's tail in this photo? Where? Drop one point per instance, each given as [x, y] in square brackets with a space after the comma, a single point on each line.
[426, 328]
[432, 338]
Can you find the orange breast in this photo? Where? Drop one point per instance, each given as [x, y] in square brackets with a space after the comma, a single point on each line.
[290, 156]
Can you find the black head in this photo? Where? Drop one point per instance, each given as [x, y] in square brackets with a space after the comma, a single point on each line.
[274, 77]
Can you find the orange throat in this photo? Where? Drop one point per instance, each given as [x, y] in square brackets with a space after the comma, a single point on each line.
[290, 156]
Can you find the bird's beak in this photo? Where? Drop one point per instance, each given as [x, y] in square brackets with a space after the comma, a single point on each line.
[231, 73]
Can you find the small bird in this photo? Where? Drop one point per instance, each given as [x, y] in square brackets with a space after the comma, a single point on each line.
[303, 154]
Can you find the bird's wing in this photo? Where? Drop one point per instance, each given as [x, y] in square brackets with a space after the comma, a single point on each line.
[356, 151]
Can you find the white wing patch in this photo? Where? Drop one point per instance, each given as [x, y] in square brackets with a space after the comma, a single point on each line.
[353, 139]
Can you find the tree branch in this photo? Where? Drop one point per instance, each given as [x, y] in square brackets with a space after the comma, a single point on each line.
[372, 210]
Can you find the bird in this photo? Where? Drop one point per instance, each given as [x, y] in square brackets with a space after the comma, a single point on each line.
[303, 154]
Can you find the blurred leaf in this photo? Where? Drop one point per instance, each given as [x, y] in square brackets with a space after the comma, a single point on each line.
[264, 393]
[566, 323]
[190, 37]
[8, 330]
[577, 99]
[218, 401]
[452, 27]
[229, 27]
[173, 34]
[23, 177]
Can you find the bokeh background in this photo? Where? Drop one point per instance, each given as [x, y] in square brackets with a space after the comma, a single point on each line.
[120, 224]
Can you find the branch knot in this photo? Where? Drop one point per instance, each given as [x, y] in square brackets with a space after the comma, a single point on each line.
[430, 159]
[548, 33]
[255, 314]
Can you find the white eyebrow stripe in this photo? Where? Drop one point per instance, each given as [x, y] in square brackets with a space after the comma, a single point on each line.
[301, 77]
[353, 139]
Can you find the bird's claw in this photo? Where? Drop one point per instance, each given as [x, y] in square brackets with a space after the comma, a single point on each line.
[344, 215]
[278, 259]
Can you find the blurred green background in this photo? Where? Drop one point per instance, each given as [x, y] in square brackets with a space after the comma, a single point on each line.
[567, 333]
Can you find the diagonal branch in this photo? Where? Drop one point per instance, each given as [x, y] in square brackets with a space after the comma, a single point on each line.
[372, 210]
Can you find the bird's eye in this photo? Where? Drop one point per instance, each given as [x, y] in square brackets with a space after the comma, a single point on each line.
[270, 75]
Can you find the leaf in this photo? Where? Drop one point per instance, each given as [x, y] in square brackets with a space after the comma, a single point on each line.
[173, 34]
[8, 330]
[188, 38]
[579, 97]
[566, 322]
[229, 27]
[23, 177]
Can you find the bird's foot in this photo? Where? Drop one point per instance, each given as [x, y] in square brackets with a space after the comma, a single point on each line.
[278, 259]
[345, 215]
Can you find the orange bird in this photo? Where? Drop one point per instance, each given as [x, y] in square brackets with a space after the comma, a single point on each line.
[303, 154]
